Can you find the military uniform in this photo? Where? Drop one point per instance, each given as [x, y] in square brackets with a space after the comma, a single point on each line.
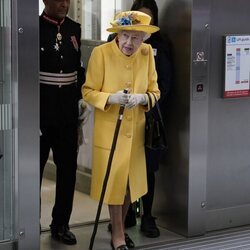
[61, 77]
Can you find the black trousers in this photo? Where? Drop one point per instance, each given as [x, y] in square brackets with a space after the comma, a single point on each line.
[63, 142]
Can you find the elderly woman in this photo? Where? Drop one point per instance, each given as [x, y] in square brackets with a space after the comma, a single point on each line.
[124, 63]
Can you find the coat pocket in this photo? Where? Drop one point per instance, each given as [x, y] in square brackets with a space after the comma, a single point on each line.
[103, 134]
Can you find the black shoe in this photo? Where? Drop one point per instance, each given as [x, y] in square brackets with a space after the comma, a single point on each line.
[129, 242]
[148, 227]
[121, 247]
[63, 235]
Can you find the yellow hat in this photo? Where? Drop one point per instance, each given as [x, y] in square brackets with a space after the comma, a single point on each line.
[132, 20]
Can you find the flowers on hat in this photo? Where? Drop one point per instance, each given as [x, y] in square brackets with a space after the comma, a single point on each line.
[129, 19]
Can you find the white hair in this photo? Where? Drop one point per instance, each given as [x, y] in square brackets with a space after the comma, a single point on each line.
[146, 36]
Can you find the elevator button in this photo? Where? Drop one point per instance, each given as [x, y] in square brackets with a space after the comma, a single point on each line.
[199, 87]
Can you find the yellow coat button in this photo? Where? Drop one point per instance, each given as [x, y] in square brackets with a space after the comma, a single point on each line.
[128, 84]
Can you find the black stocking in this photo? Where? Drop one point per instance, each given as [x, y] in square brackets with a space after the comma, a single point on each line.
[147, 199]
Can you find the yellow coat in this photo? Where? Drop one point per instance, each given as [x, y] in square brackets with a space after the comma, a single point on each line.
[109, 71]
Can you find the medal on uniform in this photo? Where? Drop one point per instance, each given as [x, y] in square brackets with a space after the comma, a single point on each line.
[56, 47]
[59, 37]
[74, 41]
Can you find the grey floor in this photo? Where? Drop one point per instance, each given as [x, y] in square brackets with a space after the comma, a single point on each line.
[231, 239]
[82, 218]
[84, 209]
[102, 239]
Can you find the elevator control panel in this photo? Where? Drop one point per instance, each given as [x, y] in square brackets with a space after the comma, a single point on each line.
[199, 75]
[200, 56]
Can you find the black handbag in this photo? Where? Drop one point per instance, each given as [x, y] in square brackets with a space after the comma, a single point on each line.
[155, 134]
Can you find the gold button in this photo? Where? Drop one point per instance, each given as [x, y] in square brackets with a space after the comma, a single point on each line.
[129, 135]
[128, 84]
[128, 67]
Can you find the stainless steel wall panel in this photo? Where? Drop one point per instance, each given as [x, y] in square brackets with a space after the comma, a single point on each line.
[11, 245]
[6, 130]
[2, 175]
[203, 181]
[171, 199]
[198, 117]
[227, 217]
[228, 170]
[26, 60]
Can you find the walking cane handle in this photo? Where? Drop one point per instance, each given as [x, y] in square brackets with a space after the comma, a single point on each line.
[122, 106]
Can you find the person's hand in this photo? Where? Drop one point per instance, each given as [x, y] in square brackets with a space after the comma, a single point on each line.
[118, 98]
[136, 99]
[83, 111]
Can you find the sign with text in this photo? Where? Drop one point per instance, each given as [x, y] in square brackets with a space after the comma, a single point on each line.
[237, 66]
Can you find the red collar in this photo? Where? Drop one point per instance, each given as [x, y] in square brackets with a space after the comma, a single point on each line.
[52, 20]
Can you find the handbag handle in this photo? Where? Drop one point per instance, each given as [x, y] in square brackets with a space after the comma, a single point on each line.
[159, 114]
[157, 106]
[150, 101]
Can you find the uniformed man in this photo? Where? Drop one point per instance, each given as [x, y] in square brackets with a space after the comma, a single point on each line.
[61, 77]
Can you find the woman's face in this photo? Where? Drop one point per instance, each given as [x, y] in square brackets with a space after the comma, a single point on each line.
[129, 41]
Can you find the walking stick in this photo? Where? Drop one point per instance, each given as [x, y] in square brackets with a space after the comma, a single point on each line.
[105, 181]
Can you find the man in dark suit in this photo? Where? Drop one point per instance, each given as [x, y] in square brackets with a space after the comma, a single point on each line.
[61, 77]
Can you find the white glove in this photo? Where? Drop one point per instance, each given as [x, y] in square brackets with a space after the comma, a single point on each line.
[83, 111]
[136, 99]
[118, 98]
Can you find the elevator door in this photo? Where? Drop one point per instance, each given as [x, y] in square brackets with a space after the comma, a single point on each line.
[6, 138]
